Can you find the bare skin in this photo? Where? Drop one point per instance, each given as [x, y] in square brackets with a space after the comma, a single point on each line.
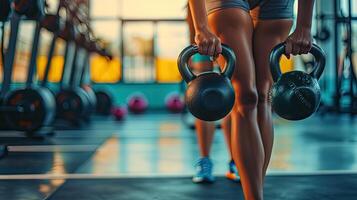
[252, 130]
[248, 151]
[267, 34]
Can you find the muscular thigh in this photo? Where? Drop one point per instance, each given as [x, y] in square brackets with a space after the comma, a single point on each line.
[267, 34]
[235, 28]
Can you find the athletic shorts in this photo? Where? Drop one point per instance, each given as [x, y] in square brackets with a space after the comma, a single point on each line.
[268, 9]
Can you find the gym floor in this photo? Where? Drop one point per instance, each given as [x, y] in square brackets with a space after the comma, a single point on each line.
[151, 156]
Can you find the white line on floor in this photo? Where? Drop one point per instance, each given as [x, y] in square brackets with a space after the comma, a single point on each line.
[151, 175]
[52, 148]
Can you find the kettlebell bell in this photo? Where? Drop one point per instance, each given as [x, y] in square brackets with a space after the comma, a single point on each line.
[209, 95]
[296, 95]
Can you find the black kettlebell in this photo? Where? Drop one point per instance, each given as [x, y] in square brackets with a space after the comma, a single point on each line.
[296, 95]
[209, 95]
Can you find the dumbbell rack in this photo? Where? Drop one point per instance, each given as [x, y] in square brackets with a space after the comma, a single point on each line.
[25, 109]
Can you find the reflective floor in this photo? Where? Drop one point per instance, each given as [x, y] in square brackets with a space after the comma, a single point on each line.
[153, 145]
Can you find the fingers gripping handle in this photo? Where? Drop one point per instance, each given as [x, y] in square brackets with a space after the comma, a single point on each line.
[279, 50]
[189, 51]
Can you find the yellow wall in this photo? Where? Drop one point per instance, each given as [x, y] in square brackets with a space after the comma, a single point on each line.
[56, 68]
[166, 70]
[105, 71]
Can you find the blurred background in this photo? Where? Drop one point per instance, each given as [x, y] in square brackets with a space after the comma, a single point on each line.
[145, 38]
[139, 126]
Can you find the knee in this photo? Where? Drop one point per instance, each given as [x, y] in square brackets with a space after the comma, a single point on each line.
[263, 97]
[247, 101]
[264, 94]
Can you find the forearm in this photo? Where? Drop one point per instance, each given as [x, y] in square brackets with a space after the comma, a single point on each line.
[305, 10]
[199, 14]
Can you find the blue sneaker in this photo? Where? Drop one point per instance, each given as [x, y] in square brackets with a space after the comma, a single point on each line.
[232, 173]
[204, 168]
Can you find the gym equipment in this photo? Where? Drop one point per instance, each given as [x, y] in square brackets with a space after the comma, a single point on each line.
[101, 99]
[345, 74]
[296, 95]
[209, 95]
[84, 42]
[32, 9]
[5, 10]
[72, 101]
[3, 151]
[119, 112]
[104, 102]
[82, 96]
[53, 25]
[137, 103]
[30, 108]
[72, 104]
[91, 98]
[174, 103]
[322, 33]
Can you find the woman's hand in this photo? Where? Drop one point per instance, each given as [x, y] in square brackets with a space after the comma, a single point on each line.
[299, 42]
[208, 43]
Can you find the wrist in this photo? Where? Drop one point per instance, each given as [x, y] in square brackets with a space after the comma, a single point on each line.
[201, 28]
[303, 26]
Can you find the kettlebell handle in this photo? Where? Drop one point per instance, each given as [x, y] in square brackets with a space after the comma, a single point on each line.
[279, 50]
[189, 51]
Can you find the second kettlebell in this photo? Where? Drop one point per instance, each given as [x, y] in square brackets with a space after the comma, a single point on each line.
[296, 95]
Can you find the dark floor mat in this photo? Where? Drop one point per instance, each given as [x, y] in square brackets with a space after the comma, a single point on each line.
[78, 138]
[27, 189]
[41, 163]
[342, 187]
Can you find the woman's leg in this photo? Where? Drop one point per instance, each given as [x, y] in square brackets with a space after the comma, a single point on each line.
[232, 172]
[205, 133]
[235, 28]
[226, 129]
[267, 34]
